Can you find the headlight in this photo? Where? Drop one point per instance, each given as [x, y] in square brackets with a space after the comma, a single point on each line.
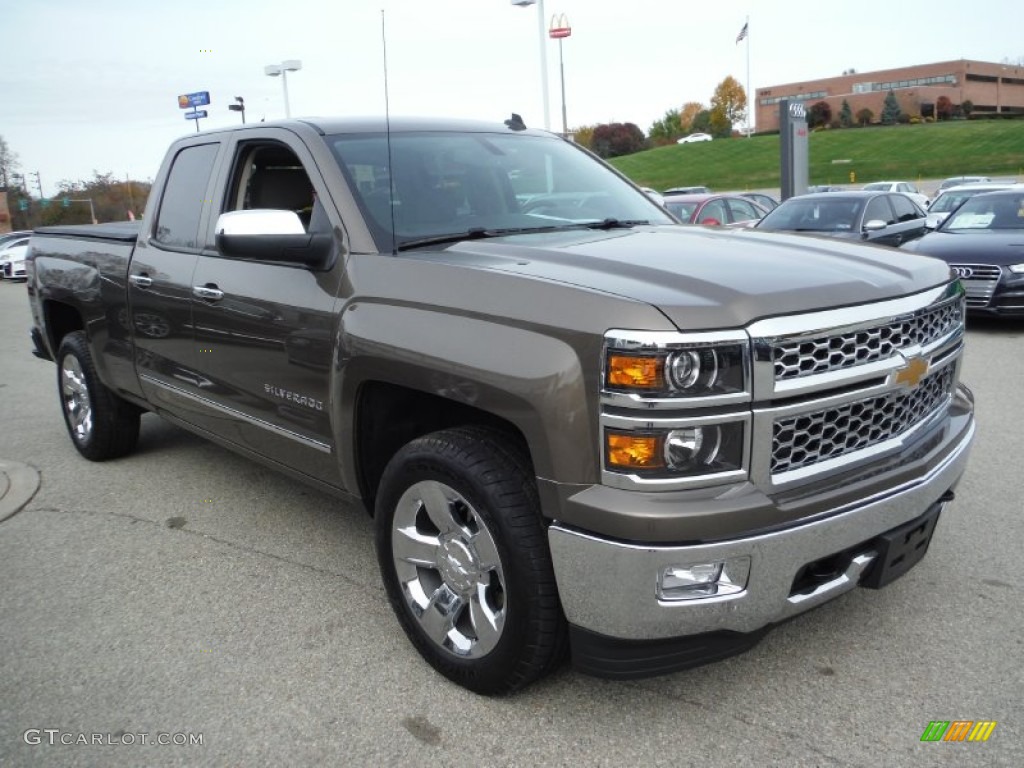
[1017, 269]
[700, 449]
[689, 371]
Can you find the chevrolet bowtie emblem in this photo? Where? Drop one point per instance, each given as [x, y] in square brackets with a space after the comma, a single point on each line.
[912, 373]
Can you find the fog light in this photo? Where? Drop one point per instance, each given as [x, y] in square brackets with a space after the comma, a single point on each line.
[700, 580]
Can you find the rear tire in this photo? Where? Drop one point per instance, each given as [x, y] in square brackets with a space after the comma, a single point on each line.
[464, 557]
[101, 425]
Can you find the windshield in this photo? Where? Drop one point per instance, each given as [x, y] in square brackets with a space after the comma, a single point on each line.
[815, 215]
[450, 183]
[994, 211]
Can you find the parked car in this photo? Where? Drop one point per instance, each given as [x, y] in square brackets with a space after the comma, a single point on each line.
[715, 210]
[956, 181]
[823, 188]
[948, 199]
[695, 190]
[905, 187]
[767, 202]
[983, 241]
[8, 237]
[883, 218]
[12, 258]
[694, 137]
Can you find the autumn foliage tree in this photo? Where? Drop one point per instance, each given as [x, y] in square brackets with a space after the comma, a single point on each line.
[616, 139]
[820, 113]
[688, 114]
[728, 106]
[943, 108]
[666, 130]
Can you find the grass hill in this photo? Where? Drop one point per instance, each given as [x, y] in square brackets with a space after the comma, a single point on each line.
[910, 152]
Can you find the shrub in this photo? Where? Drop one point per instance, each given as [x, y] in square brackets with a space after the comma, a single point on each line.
[903, 118]
[865, 116]
[915, 119]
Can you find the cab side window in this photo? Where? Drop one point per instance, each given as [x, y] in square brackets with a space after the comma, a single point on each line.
[269, 176]
[879, 208]
[181, 207]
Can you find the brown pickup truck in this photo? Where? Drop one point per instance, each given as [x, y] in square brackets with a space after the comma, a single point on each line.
[579, 425]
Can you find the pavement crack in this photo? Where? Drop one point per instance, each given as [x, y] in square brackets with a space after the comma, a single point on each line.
[182, 529]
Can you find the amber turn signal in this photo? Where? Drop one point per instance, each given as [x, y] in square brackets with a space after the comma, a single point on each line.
[627, 451]
[635, 372]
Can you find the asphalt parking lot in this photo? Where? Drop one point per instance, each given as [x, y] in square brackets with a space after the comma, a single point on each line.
[187, 592]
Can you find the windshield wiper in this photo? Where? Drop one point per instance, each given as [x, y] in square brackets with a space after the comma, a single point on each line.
[481, 233]
[615, 223]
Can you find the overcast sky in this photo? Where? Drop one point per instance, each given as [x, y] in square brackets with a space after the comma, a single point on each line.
[93, 85]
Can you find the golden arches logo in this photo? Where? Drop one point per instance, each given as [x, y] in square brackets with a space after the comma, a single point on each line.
[559, 26]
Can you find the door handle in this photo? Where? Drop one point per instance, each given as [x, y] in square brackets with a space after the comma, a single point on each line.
[210, 293]
[140, 281]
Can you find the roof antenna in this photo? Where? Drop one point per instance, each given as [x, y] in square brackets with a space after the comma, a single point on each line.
[387, 131]
[516, 123]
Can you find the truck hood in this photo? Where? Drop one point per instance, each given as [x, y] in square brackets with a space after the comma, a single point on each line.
[702, 278]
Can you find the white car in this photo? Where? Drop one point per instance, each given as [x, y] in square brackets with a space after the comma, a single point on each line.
[694, 137]
[950, 198]
[12, 259]
[905, 187]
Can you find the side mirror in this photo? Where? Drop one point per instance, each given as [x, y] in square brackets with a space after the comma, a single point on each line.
[274, 236]
[874, 225]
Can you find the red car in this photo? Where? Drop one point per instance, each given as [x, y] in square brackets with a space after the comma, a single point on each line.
[715, 210]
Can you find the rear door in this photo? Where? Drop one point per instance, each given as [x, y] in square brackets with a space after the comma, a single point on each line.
[159, 310]
[265, 333]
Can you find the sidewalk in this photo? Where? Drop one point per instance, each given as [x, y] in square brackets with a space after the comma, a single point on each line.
[18, 484]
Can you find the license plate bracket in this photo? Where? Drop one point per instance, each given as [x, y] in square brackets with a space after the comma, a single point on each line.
[901, 549]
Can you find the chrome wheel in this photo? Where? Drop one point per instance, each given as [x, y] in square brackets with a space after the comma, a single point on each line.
[449, 570]
[75, 397]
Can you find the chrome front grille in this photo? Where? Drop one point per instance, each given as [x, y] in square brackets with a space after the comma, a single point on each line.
[979, 281]
[810, 438]
[805, 357]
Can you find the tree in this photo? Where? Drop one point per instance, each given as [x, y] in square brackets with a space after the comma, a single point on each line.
[617, 139]
[890, 110]
[967, 107]
[688, 114]
[111, 201]
[943, 108]
[701, 122]
[845, 115]
[584, 135]
[728, 106]
[8, 164]
[666, 130]
[820, 113]
[865, 116]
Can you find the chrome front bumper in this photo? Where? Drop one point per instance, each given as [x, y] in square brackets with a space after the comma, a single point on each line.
[608, 587]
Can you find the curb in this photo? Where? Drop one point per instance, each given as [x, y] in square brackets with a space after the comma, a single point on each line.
[18, 484]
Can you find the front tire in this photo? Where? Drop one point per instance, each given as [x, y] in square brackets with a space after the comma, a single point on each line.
[464, 558]
[101, 425]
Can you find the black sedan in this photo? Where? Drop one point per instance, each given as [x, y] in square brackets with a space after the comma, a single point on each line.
[983, 241]
[884, 218]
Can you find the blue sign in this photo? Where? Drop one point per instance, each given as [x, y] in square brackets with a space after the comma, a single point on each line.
[195, 114]
[198, 99]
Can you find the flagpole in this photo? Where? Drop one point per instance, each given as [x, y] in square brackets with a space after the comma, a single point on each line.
[750, 97]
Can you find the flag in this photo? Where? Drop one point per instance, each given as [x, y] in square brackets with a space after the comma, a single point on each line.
[743, 32]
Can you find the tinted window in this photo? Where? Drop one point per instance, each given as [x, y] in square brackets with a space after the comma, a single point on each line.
[905, 208]
[182, 204]
[878, 208]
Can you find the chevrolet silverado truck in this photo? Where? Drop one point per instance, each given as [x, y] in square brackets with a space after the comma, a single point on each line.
[579, 426]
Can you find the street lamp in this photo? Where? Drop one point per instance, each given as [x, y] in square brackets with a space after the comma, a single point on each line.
[282, 69]
[239, 107]
[543, 55]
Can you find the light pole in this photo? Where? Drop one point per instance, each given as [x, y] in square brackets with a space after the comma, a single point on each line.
[543, 56]
[559, 30]
[239, 107]
[282, 69]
